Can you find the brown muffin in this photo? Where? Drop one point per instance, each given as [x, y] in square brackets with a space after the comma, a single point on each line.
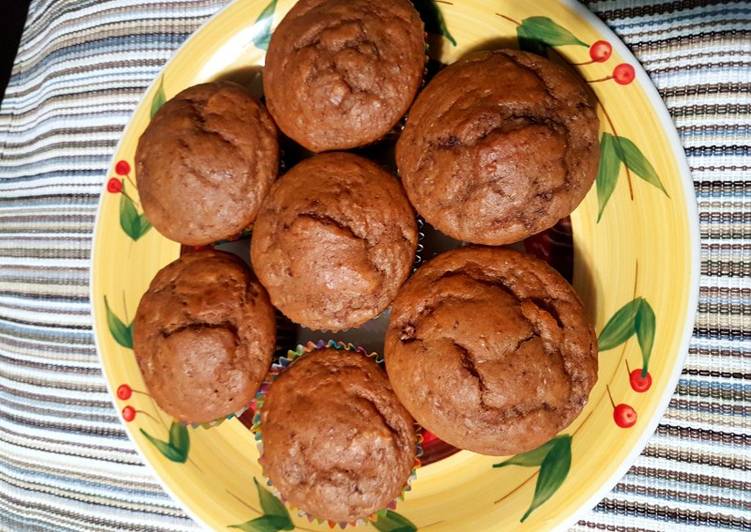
[499, 146]
[205, 163]
[336, 441]
[341, 73]
[203, 336]
[334, 241]
[490, 350]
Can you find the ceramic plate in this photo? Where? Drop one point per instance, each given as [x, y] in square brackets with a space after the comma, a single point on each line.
[635, 265]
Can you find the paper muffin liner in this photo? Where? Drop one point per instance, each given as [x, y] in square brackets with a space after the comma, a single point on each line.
[277, 368]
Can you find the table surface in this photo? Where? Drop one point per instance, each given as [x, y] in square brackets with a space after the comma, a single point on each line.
[65, 461]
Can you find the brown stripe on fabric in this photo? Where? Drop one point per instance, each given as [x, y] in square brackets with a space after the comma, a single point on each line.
[643, 10]
[722, 268]
[93, 403]
[690, 478]
[114, 433]
[116, 66]
[614, 528]
[63, 145]
[717, 374]
[693, 389]
[698, 40]
[77, 131]
[45, 253]
[36, 442]
[68, 385]
[656, 511]
[85, 97]
[55, 368]
[693, 457]
[724, 309]
[87, 476]
[719, 352]
[47, 21]
[50, 325]
[710, 408]
[111, 417]
[704, 435]
[719, 233]
[34, 347]
[99, 500]
[706, 65]
[715, 109]
[59, 199]
[80, 517]
[704, 89]
[713, 22]
[691, 55]
[682, 496]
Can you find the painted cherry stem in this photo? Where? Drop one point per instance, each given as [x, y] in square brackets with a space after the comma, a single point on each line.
[513, 21]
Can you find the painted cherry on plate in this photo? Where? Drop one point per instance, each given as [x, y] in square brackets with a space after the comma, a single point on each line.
[624, 74]
[600, 51]
[114, 185]
[129, 413]
[124, 392]
[624, 415]
[638, 382]
[122, 168]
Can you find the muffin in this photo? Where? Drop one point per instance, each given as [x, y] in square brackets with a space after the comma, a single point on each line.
[337, 443]
[204, 337]
[205, 163]
[499, 146]
[341, 73]
[334, 241]
[489, 349]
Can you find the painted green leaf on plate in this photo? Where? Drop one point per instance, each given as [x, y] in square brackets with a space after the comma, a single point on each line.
[132, 222]
[432, 17]
[620, 327]
[529, 43]
[179, 438]
[264, 22]
[544, 32]
[645, 325]
[607, 173]
[158, 99]
[553, 472]
[531, 458]
[266, 523]
[177, 451]
[632, 157]
[390, 521]
[122, 333]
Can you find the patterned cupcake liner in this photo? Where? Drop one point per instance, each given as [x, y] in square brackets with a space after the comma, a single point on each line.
[277, 368]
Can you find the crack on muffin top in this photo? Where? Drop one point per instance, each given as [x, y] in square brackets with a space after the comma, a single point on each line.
[490, 350]
[204, 336]
[205, 162]
[336, 441]
[334, 241]
[499, 145]
[340, 74]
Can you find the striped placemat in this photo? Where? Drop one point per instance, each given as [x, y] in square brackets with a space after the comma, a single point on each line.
[65, 462]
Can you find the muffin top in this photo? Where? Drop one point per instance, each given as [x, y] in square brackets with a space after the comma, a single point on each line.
[490, 350]
[205, 163]
[499, 146]
[204, 334]
[336, 441]
[341, 73]
[334, 241]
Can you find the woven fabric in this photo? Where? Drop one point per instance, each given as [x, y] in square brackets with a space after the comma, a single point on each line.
[65, 461]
